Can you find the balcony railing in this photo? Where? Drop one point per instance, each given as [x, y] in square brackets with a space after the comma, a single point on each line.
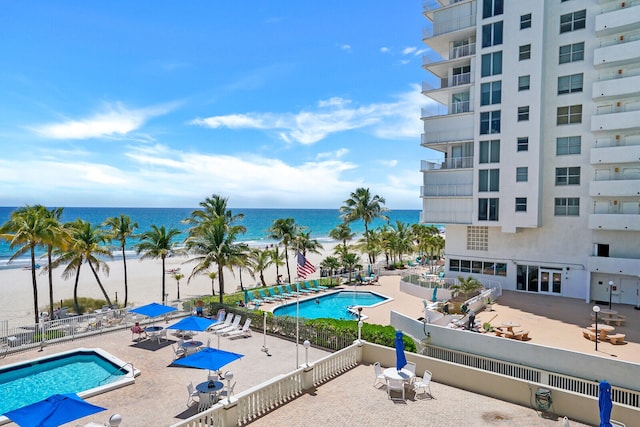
[462, 51]
[617, 141]
[617, 174]
[456, 80]
[442, 110]
[453, 163]
[446, 190]
[616, 208]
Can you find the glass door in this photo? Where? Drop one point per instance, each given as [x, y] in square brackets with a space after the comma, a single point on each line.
[550, 281]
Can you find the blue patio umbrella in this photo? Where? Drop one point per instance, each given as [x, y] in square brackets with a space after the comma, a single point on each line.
[192, 323]
[53, 411]
[152, 310]
[434, 297]
[604, 403]
[401, 360]
[208, 358]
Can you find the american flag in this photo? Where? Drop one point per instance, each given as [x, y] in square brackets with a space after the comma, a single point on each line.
[305, 268]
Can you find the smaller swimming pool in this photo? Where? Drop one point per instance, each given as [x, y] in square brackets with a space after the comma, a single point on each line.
[86, 372]
[335, 305]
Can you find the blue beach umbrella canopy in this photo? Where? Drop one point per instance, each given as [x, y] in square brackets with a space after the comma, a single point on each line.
[208, 358]
[604, 403]
[401, 360]
[53, 411]
[152, 310]
[192, 323]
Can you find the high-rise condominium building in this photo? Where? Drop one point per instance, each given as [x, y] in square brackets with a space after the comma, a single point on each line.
[537, 139]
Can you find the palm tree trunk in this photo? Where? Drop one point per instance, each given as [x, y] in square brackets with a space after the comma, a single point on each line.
[126, 287]
[286, 257]
[35, 284]
[75, 289]
[49, 251]
[163, 274]
[104, 292]
[221, 282]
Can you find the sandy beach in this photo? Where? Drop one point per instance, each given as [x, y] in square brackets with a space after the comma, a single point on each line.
[144, 279]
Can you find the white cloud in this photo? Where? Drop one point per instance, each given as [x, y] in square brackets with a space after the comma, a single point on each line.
[389, 163]
[338, 154]
[346, 47]
[398, 119]
[409, 50]
[116, 120]
[384, 49]
[419, 52]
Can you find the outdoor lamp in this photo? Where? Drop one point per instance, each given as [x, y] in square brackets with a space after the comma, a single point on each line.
[596, 310]
[228, 376]
[610, 292]
[115, 420]
[360, 323]
[306, 345]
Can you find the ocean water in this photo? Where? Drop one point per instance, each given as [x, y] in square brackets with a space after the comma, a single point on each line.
[318, 221]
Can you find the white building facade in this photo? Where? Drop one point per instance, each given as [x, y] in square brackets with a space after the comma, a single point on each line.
[538, 130]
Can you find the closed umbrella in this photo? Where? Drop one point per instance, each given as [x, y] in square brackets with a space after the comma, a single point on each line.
[434, 297]
[53, 411]
[604, 403]
[401, 360]
[208, 358]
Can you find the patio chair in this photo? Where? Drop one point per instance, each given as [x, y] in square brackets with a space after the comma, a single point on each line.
[379, 378]
[308, 286]
[272, 294]
[177, 352]
[251, 299]
[285, 293]
[291, 291]
[318, 285]
[191, 390]
[423, 384]
[301, 289]
[244, 331]
[234, 325]
[411, 367]
[228, 391]
[395, 385]
[162, 334]
[217, 326]
[265, 297]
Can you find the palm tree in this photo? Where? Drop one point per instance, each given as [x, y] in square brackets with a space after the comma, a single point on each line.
[303, 243]
[284, 230]
[342, 233]
[157, 243]
[213, 207]
[466, 286]
[178, 276]
[212, 275]
[362, 206]
[54, 236]
[260, 260]
[24, 230]
[401, 240]
[121, 228]
[86, 245]
[216, 244]
[332, 264]
[278, 258]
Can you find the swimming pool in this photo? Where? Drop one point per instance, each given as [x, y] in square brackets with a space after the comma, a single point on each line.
[336, 305]
[84, 371]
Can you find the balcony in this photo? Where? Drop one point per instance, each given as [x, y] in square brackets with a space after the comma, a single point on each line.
[616, 150]
[447, 164]
[454, 53]
[447, 129]
[441, 110]
[615, 121]
[615, 215]
[610, 265]
[622, 87]
[614, 188]
[616, 52]
[446, 190]
[446, 215]
[618, 19]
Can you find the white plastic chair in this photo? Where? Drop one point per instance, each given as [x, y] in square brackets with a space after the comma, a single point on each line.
[192, 393]
[228, 391]
[395, 385]
[177, 352]
[411, 367]
[423, 384]
[379, 378]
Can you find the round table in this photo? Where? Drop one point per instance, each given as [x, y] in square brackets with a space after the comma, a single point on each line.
[510, 325]
[204, 387]
[191, 346]
[208, 395]
[152, 329]
[603, 330]
[402, 374]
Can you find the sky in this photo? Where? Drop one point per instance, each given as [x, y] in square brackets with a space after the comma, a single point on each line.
[272, 104]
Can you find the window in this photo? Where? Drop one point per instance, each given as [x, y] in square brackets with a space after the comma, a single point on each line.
[573, 21]
[569, 114]
[492, 34]
[523, 113]
[568, 145]
[570, 84]
[521, 204]
[524, 83]
[490, 122]
[491, 93]
[523, 143]
[525, 21]
[490, 151]
[488, 209]
[566, 206]
[491, 64]
[568, 176]
[572, 52]
[488, 180]
[525, 52]
[522, 174]
[477, 238]
[492, 8]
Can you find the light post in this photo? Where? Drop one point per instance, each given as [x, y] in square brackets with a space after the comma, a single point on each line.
[264, 327]
[610, 292]
[306, 345]
[596, 310]
[360, 323]
[228, 376]
[297, 326]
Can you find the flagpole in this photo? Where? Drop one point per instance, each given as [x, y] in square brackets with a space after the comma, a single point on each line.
[297, 328]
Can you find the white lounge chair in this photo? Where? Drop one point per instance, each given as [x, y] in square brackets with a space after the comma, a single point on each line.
[379, 378]
[423, 384]
[234, 325]
[244, 331]
[395, 385]
[217, 326]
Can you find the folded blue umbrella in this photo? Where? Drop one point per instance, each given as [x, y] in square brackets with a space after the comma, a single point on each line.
[54, 411]
[401, 360]
[604, 404]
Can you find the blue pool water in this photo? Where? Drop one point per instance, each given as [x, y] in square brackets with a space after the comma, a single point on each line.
[30, 382]
[332, 306]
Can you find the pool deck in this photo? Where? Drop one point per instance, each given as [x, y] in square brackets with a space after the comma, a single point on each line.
[159, 395]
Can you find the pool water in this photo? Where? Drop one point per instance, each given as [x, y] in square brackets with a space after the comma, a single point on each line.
[30, 382]
[333, 306]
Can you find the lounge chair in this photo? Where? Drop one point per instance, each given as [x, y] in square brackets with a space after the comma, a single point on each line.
[308, 286]
[217, 326]
[291, 291]
[234, 325]
[273, 294]
[303, 290]
[251, 299]
[265, 297]
[285, 293]
[318, 285]
[245, 331]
